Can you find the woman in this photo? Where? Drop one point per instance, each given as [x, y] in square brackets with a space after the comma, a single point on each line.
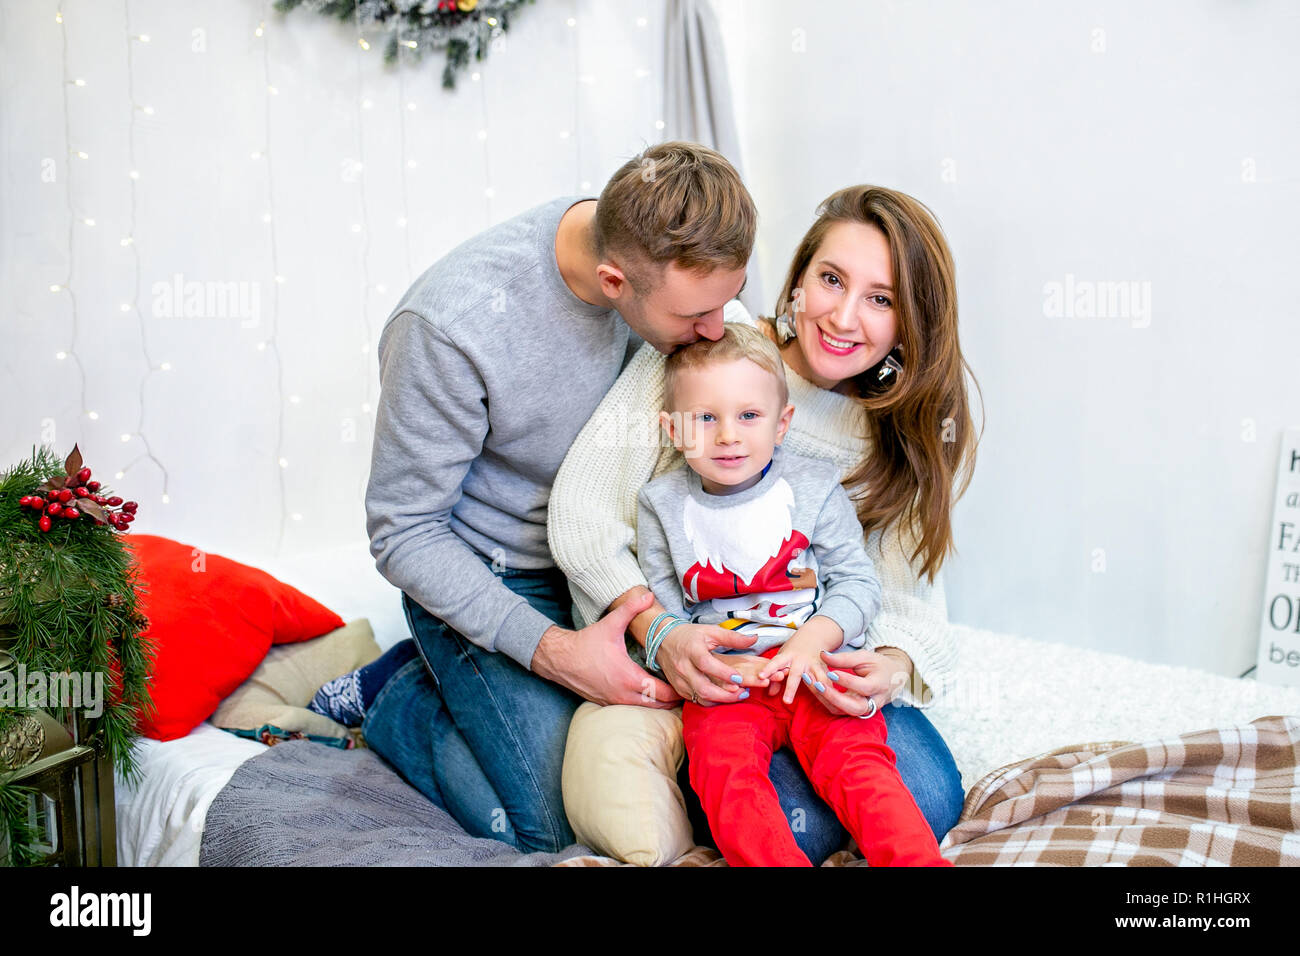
[867, 327]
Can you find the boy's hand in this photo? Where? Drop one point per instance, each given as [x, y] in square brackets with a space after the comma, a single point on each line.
[798, 661]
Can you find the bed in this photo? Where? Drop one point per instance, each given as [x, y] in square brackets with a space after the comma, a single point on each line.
[1026, 716]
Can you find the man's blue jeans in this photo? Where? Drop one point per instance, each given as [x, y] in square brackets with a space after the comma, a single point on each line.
[483, 738]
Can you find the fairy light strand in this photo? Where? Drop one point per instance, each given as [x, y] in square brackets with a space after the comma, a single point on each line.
[577, 112]
[66, 286]
[132, 174]
[484, 138]
[370, 364]
[401, 151]
[274, 343]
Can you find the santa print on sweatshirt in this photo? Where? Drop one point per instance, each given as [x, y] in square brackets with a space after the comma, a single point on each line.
[760, 561]
[751, 562]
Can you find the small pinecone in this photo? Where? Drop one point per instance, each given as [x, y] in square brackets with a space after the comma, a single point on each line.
[115, 600]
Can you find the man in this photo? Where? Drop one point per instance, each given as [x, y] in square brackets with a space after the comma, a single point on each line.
[490, 365]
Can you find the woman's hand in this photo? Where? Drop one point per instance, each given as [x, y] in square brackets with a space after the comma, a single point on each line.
[694, 671]
[748, 666]
[866, 677]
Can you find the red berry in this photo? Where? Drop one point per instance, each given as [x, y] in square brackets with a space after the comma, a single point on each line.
[24, 501]
[130, 507]
[65, 495]
[82, 493]
[45, 522]
[114, 501]
[128, 517]
[38, 502]
[71, 513]
[53, 508]
[98, 522]
[92, 485]
[98, 499]
[83, 476]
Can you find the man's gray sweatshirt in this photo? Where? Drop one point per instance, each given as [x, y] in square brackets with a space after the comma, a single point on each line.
[489, 368]
[772, 556]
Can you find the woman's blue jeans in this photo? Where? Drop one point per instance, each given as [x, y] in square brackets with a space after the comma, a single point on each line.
[483, 738]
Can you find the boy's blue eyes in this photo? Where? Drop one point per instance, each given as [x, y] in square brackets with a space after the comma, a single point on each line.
[708, 416]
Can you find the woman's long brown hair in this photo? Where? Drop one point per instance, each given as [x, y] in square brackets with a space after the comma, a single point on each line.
[918, 422]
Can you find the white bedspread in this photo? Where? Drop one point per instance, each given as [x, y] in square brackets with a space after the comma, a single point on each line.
[1015, 698]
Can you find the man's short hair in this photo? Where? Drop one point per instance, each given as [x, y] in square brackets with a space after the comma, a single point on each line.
[739, 341]
[677, 203]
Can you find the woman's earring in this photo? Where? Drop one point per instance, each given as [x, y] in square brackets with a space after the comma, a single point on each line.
[784, 328]
[890, 367]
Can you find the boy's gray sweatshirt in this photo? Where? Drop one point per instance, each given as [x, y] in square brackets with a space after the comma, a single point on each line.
[489, 368]
[774, 555]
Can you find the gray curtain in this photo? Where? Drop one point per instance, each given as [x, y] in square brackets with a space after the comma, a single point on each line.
[697, 97]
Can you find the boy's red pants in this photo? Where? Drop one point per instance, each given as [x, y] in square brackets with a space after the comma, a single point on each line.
[846, 759]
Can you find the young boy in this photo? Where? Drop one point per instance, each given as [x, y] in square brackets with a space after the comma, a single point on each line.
[752, 539]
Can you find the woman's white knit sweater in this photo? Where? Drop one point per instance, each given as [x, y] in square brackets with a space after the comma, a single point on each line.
[591, 524]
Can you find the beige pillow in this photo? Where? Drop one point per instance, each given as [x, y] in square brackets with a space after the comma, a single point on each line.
[620, 783]
[280, 689]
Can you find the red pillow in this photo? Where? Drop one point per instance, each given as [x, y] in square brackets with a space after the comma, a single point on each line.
[212, 620]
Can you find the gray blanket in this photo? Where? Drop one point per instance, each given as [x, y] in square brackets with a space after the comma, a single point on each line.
[306, 804]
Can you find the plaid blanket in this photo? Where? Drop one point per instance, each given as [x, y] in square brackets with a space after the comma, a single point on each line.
[1227, 796]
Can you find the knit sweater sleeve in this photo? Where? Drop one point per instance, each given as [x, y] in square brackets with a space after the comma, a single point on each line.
[913, 617]
[433, 397]
[852, 595]
[591, 520]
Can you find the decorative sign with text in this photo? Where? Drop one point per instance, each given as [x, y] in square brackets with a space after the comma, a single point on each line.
[1279, 632]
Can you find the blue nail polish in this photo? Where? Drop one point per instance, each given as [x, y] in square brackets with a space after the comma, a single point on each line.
[744, 695]
[807, 680]
[820, 686]
[737, 679]
[833, 676]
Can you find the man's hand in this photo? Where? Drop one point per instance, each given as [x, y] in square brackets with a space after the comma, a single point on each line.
[593, 662]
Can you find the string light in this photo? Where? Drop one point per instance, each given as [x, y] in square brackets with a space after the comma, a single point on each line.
[487, 166]
[128, 243]
[363, 253]
[275, 289]
[66, 284]
[576, 120]
[401, 151]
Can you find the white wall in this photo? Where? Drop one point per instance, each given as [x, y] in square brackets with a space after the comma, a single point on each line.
[561, 107]
[1156, 142]
[1125, 164]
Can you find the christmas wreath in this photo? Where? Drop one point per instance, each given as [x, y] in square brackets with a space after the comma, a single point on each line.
[466, 28]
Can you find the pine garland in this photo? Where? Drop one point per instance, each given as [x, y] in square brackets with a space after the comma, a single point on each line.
[69, 602]
[466, 28]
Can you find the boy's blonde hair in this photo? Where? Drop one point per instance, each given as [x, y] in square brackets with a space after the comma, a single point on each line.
[739, 341]
[677, 203]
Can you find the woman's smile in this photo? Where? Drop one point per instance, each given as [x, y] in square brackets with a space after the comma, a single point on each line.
[836, 346]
